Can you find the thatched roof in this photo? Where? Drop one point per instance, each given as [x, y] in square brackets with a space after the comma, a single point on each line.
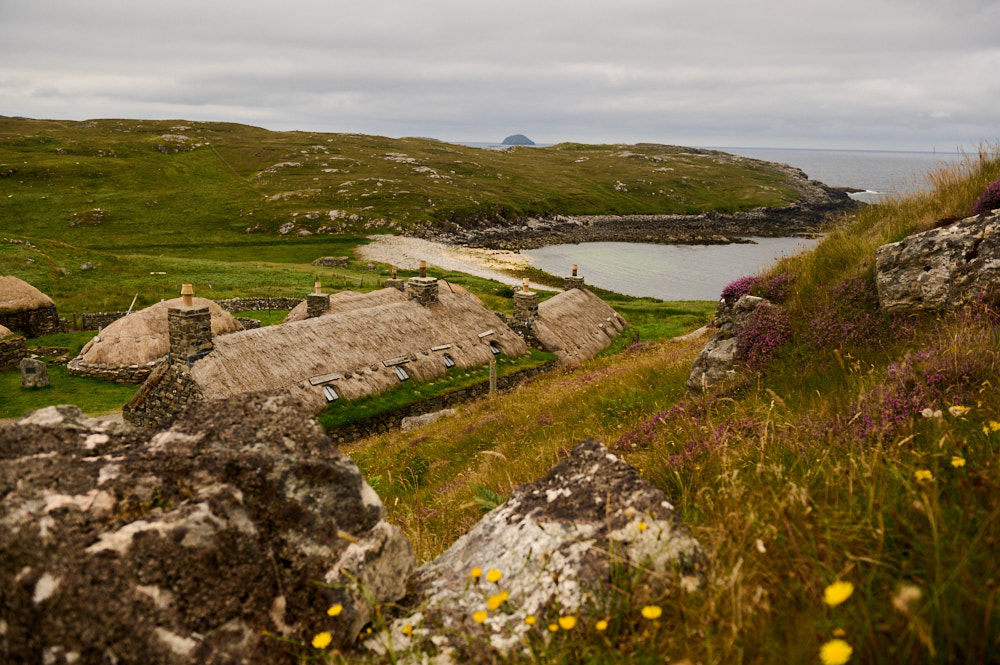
[343, 301]
[356, 351]
[4, 332]
[17, 295]
[143, 336]
[576, 325]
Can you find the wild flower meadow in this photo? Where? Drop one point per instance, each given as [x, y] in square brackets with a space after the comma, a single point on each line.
[846, 496]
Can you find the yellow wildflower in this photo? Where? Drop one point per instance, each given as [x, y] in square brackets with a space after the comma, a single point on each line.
[480, 616]
[335, 610]
[835, 652]
[322, 640]
[567, 623]
[554, 627]
[497, 600]
[994, 426]
[839, 632]
[530, 619]
[837, 593]
[407, 630]
[652, 611]
[475, 574]
[923, 474]
[641, 526]
[601, 625]
[494, 575]
[957, 461]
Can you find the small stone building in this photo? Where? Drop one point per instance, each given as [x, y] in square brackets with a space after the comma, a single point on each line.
[26, 309]
[342, 355]
[12, 349]
[576, 325]
[127, 350]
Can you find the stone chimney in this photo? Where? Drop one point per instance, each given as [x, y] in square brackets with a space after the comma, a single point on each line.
[190, 330]
[317, 302]
[525, 307]
[423, 289]
[395, 282]
[572, 282]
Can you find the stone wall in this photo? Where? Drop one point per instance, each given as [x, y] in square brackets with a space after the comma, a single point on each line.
[99, 320]
[167, 390]
[129, 374]
[386, 422]
[12, 350]
[257, 304]
[32, 322]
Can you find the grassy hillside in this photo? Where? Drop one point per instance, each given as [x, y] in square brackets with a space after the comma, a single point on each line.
[822, 470]
[164, 186]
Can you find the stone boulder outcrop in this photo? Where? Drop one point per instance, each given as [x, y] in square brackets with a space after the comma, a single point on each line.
[556, 543]
[719, 363]
[940, 269]
[186, 545]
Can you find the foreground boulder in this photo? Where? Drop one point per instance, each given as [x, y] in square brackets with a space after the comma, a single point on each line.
[940, 269]
[185, 545]
[719, 363]
[556, 543]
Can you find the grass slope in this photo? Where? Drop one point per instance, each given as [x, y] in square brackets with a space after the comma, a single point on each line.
[173, 185]
[823, 469]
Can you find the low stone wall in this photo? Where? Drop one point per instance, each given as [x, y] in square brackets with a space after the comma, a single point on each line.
[99, 320]
[12, 350]
[129, 374]
[168, 390]
[386, 422]
[32, 322]
[257, 304]
[248, 323]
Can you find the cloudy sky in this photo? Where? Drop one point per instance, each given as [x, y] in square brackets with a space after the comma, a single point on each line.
[860, 74]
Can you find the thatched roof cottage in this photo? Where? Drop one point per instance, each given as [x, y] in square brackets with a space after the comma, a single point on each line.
[25, 308]
[358, 351]
[127, 350]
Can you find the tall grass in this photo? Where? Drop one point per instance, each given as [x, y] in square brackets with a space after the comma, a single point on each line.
[867, 452]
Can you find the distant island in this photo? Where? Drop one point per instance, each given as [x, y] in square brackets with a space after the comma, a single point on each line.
[518, 139]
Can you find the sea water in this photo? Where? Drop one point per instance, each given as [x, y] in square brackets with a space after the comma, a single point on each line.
[699, 272]
[667, 272]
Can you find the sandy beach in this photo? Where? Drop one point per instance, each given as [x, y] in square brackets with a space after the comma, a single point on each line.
[406, 253]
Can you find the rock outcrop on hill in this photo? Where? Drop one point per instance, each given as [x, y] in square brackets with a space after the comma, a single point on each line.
[940, 269]
[186, 545]
[555, 545]
[719, 363]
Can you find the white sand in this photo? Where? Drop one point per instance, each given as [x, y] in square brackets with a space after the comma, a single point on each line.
[406, 253]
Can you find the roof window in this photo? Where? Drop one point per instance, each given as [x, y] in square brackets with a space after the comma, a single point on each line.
[401, 373]
[495, 348]
[330, 394]
[448, 361]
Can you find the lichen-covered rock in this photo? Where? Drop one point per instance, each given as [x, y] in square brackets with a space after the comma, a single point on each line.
[413, 422]
[719, 363]
[185, 545]
[940, 269]
[556, 542]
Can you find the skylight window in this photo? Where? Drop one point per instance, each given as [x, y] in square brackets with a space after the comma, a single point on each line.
[330, 393]
[495, 348]
[401, 373]
[448, 361]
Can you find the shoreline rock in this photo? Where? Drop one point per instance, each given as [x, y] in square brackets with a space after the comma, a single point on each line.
[710, 228]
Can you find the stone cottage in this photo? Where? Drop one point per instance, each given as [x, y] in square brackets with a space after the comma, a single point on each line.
[383, 340]
[26, 309]
[127, 350]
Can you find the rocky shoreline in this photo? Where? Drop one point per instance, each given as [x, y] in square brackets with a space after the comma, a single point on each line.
[818, 208]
